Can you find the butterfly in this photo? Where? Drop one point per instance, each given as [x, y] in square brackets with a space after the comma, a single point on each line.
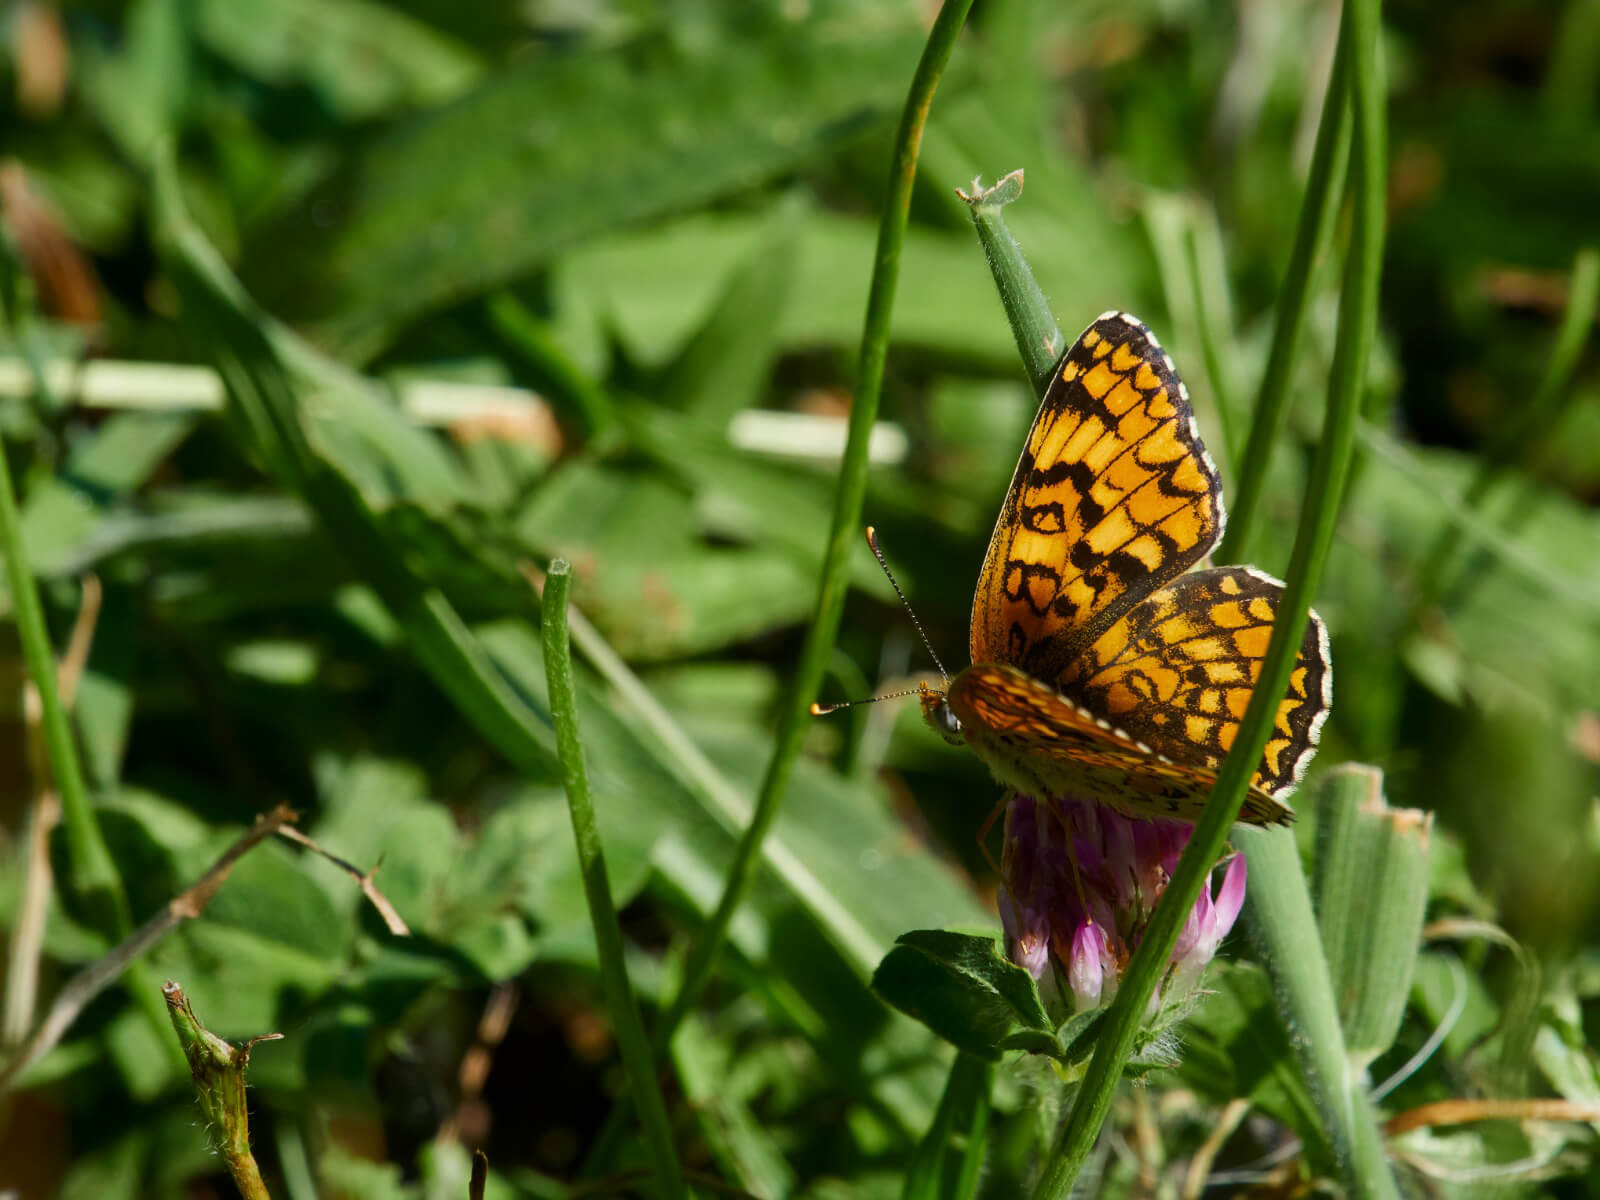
[1103, 666]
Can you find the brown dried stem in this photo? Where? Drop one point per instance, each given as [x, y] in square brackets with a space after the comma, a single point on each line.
[369, 889]
[100, 974]
[1462, 1112]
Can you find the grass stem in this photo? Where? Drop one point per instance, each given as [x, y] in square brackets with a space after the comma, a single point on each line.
[631, 1037]
[848, 499]
[1319, 514]
[1324, 182]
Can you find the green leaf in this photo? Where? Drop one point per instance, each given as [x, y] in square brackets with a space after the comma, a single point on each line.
[277, 421]
[1235, 1045]
[361, 58]
[1370, 888]
[723, 367]
[963, 989]
[481, 192]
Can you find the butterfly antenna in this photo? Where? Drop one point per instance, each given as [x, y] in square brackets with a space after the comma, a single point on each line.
[872, 540]
[822, 710]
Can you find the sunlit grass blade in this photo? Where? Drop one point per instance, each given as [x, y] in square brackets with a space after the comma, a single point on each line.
[1353, 1132]
[634, 1043]
[846, 521]
[1324, 183]
[91, 876]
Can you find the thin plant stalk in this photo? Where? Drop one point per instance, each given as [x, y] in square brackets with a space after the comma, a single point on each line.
[92, 874]
[218, 1070]
[965, 1098]
[845, 527]
[1039, 339]
[1324, 182]
[849, 496]
[632, 1040]
[1319, 513]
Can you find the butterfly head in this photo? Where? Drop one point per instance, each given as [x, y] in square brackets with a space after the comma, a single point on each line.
[937, 712]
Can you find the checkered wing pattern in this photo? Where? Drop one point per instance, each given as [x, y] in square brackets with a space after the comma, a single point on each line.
[1114, 496]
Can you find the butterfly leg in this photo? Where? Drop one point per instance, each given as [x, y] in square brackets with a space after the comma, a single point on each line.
[983, 833]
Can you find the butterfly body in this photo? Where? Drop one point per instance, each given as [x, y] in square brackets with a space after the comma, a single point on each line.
[1102, 664]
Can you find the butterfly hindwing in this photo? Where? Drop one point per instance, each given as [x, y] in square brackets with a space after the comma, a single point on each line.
[1114, 495]
[1176, 671]
[1042, 744]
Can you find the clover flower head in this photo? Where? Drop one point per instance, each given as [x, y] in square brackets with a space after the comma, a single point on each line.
[1081, 881]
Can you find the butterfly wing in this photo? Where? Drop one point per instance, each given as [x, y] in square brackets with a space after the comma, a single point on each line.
[1042, 744]
[1176, 672]
[1114, 495]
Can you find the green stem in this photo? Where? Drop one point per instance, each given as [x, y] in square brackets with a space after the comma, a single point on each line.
[631, 1038]
[1284, 929]
[1541, 415]
[1039, 339]
[1318, 517]
[845, 527]
[831, 588]
[1208, 282]
[1324, 182]
[977, 1134]
[218, 1070]
[92, 873]
[965, 1101]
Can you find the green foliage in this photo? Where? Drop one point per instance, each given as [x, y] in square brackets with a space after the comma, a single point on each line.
[652, 220]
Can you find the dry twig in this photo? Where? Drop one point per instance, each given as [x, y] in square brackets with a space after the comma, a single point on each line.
[369, 889]
[100, 974]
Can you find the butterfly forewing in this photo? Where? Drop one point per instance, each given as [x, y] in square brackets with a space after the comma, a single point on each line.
[1114, 495]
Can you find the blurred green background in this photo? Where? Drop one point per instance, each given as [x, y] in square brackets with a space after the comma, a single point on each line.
[651, 222]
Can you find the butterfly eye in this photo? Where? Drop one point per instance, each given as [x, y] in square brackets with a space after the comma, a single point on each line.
[948, 724]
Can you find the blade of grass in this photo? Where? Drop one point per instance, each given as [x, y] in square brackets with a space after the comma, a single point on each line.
[266, 404]
[1355, 1136]
[848, 500]
[966, 1096]
[724, 800]
[843, 530]
[1324, 183]
[91, 875]
[637, 1056]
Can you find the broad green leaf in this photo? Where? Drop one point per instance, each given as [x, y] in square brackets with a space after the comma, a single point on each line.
[480, 192]
[361, 58]
[963, 989]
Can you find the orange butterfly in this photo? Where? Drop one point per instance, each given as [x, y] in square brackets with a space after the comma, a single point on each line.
[1102, 665]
